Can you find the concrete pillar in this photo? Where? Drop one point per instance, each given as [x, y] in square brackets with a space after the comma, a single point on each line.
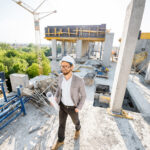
[54, 49]
[134, 14]
[79, 49]
[65, 49]
[73, 50]
[69, 47]
[93, 48]
[85, 46]
[62, 48]
[107, 49]
[101, 51]
[90, 49]
[147, 76]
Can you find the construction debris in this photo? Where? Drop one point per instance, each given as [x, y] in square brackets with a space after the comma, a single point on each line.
[39, 86]
[81, 60]
[139, 58]
[102, 72]
[89, 79]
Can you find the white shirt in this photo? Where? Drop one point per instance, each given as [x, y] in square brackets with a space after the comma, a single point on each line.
[66, 97]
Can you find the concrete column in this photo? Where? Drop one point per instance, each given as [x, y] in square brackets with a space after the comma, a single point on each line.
[134, 14]
[147, 76]
[79, 49]
[101, 51]
[54, 49]
[69, 47]
[107, 49]
[93, 48]
[73, 50]
[62, 48]
[90, 50]
[85, 46]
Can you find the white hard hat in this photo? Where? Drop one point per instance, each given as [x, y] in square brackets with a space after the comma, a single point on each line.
[68, 59]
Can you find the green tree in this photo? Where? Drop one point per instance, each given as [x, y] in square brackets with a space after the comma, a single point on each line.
[11, 53]
[18, 66]
[47, 52]
[2, 54]
[4, 46]
[46, 67]
[3, 68]
[26, 49]
[30, 58]
[31, 45]
[33, 70]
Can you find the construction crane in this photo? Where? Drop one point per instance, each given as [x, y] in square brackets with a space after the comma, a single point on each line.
[37, 17]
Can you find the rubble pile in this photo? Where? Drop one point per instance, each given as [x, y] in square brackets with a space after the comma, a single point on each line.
[38, 88]
[89, 79]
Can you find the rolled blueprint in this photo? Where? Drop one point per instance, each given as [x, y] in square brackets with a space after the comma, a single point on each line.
[50, 98]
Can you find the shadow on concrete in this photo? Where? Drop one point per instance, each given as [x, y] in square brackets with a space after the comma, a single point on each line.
[77, 144]
[61, 148]
[128, 134]
[3, 136]
[146, 118]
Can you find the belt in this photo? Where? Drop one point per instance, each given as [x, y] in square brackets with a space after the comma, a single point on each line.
[67, 106]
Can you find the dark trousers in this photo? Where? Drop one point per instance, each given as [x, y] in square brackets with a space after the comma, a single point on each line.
[63, 113]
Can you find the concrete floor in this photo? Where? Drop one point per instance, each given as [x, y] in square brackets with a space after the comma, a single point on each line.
[99, 131]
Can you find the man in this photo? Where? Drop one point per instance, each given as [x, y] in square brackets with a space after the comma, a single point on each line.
[70, 95]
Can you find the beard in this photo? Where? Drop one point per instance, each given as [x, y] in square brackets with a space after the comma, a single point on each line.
[66, 73]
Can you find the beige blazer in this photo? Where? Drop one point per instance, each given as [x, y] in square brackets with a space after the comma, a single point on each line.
[77, 91]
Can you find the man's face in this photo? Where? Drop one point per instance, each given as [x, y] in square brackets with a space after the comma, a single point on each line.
[66, 68]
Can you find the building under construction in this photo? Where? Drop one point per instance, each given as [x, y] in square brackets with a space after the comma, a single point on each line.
[116, 112]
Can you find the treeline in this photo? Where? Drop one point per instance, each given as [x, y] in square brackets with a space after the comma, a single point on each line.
[24, 60]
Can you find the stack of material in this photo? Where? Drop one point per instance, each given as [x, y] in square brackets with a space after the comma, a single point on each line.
[100, 88]
[101, 71]
[89, 79]
[102, 93]
[39, 86]
[81, 60]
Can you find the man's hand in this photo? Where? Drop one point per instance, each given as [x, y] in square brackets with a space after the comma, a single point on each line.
[51, 103]
[76, 110]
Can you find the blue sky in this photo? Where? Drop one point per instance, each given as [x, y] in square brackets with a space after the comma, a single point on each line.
[16, 24]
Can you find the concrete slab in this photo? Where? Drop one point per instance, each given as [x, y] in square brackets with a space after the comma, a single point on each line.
[140, 93]
[99, 131]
